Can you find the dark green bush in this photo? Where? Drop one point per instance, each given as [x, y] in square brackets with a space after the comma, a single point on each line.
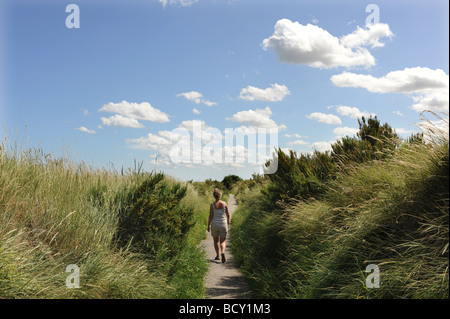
[373, 141]
[297, 177]
[322, 218]
[230, 180]
[153, 222]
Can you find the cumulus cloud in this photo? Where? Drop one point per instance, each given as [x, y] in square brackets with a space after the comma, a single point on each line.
[434, 129]
[86, 130]
[298, 142]
[192, 96]
[316, 47]
[402, 131]
[431, 101]
[257, 118]
[353, 112]
[274, 93]
[178, 3]
[194, 142]
[369, 36]
[208, 134]
[294, 135]
[345, 131]
[122, 121]
[128, 114]
[196, 97]
[325, 118]
[429, 88]
[152, 141]
[322, 146]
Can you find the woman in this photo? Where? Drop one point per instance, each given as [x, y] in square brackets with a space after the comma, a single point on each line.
[219, 220]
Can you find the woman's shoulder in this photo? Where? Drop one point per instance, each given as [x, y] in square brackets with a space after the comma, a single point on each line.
[221, 205]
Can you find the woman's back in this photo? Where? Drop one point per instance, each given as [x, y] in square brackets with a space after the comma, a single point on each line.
[219, 212]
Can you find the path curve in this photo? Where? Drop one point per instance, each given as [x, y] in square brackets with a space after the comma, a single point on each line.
[224, 281]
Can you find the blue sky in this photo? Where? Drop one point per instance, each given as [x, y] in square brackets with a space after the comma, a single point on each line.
[112, 90]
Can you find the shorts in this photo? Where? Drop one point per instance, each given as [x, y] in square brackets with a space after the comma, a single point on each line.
[219, 230]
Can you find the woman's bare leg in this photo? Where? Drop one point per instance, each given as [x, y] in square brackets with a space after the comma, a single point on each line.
[223, 244]
[216, 245]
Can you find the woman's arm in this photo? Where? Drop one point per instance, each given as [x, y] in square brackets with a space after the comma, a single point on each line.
[228, 214]
[211, 215]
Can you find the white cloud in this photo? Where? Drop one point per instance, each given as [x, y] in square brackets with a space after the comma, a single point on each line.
[298, 142]
[128, 114]
[287, 150]
[398, 113]
[195, 111]
[196, 97]
[152, 141]
[345, 131]
[316, 47]
[371, 35]
[208, 133]
[189, 125]
[434, 129]
[294, 135]
[409, 80]
[325, 118]
[353, 112]
[257, 118]
[403, 131]
[274, 93]
[167, 143]
[192, 96]
[86, 130]
[209, 103]
[430, 88]
[246, 130]
[122, 121]
[431, 101]
[322, 146]
[178, 3]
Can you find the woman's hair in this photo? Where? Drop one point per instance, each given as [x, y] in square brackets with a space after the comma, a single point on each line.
[217, 193]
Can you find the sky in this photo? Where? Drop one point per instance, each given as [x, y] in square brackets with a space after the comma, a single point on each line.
[161, 81]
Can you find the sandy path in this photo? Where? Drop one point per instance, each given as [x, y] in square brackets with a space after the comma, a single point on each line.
[224, 281]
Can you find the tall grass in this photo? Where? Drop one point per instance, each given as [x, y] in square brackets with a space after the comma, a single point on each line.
[391, 212]
[55, 212]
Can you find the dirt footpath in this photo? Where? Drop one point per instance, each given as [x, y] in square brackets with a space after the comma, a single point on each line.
[224, 281]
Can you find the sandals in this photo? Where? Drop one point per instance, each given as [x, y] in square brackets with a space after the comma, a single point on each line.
[223, 258]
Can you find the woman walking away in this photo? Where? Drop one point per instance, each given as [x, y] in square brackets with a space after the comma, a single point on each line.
[219, 220]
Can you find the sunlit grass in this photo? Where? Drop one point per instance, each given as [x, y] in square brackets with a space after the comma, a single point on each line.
[392, 213]
[55, 212]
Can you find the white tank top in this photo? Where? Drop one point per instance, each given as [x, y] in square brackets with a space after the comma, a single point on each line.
[219, 215]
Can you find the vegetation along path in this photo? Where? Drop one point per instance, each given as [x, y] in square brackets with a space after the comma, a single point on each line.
[224, 280]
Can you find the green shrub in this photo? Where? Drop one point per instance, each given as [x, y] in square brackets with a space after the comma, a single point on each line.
[153, 221]
[391, 211]
[229, 180]
[300, 176]
[129, 234]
